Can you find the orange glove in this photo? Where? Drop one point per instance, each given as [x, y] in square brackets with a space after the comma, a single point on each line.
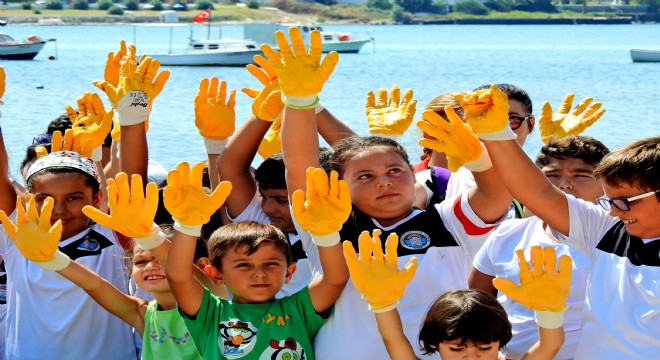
[393, 118]
[267, 104]
[83, 145]
[91, 122]
[272, 142]
[487, 112]
[568, 122]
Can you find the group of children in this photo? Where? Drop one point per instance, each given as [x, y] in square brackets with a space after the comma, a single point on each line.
[487, 255]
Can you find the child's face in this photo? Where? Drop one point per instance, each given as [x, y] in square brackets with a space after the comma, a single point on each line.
[516, 108]
[275, 204]
[381, 183]
[642, 218]
[256, 278]
[147, 272]
[574, 176]
[451, 350]
[71, 193]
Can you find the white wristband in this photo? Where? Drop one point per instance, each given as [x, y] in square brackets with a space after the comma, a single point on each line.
[60, 262]
[97, 154]
[549, 319]
[155, 238]
[190, 230]
[301, 102]
[215, 146]
[482, 163]
[331, 239]
[504, 134]
[319, 107]
[133, 108]
[385, 308]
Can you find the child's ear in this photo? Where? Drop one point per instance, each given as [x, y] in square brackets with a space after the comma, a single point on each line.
[213, 273]
[97, 200]
[202, 262]
[289, 272]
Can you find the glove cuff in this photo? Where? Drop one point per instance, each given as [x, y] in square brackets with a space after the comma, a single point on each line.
[97, 154]
[60, 262]
[215, 146]
[326, 240]
[482, 163]
[190, 230]
[383, 308]
[154, 240]
[319, 107]
[549, 319]
[504, 134]
[301, 102]
[133, 108]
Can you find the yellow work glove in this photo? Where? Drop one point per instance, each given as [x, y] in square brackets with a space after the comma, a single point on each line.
[543, 287]
[33, 234]
[132, 211]
[568, 122]
[91, 122]
[301, 73]
[378, 277]
[185, 198]
[113, 64]
[214, 114]
[272, 142]
[454, 139]
[138, 86]
[267, 104]
[3, 78]
[391, 118]
[82, 145]
[324, 208]
[487, 112]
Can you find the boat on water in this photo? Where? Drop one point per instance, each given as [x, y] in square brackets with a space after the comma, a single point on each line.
[639, 55]
[27, 49]
[341, 42]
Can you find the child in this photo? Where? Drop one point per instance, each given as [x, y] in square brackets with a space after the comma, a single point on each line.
[254, 261]
[568, 163]
[381, 185]
[621, 239]
[461, 323]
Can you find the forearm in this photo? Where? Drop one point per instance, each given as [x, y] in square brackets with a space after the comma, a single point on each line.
[550, 341]
[391, 330]
[112, 167]
[335, 271]
[489, 198]
[242, 147]
[332, 129]
[214, 176]
[481, 281]
[133, 151]
[8, 198]
[187, 291]
[300, 146]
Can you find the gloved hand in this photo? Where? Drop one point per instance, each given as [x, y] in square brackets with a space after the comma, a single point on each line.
[91, 122]
[272, 142]
[324, 208]
[131, 212]
[214, 113]
[267, 104]
[487, 112]
[393, 118]
[133, 96]
[568, 122]
[185, 198]
[377, 277]
[83, 146]
[301, 73]
[3, 78]
[33, 235]
[452, 138]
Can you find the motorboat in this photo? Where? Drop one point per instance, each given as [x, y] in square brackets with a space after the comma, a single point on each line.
[20, 50]
[341, 42]
[639, 55]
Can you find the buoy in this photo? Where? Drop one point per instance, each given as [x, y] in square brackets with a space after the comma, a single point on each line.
[40, 86]
[51, 57]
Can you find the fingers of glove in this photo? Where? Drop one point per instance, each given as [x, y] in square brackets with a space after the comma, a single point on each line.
[525, 270]
[202, 93]
[546, 114]
[196, 174]
[41, 151]
[344, 193]
[433, 144]
[113, 194]
[454, 119]
[272, 56]
[349, 254]
[21, 214]
[68, 140]
[123, 192]
[298, 204]
[588, 121]
[565, 269]
[258, 73]
[498, 97]
[9, 226]
[365, 247]
[87, 148]
[327, 65]
[407, 96]
[174, 178]
[297, 43]
[31, 209]
[587, 115]
[382, 98]
[151, 194]
[283, 45]
[217, 90]
[566, 104]
[159, 83]
[142, 71]
[581, 106]
[410, 110]
[378, 246]
[97, 104]
[98, 216]
[334, 190]
[137, 188]
[231, 102]
[536, 256]
[321, 182]
[71, 113]
[391, 244]
[409, 270]
[371, 101]
[550, 261]
[221, 193]
[184, 174]
[265, 65]
[82, 111]
[395, 96]
[250, 92]
[46, 212]
[315, 46]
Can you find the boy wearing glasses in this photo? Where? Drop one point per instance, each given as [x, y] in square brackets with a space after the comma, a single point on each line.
[621, 239]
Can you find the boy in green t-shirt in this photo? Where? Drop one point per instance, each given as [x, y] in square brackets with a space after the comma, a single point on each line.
[254, 261]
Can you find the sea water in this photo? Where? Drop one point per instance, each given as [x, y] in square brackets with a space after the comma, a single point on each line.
[549, 61]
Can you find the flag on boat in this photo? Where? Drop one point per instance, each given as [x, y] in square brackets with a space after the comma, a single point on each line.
[203, 16]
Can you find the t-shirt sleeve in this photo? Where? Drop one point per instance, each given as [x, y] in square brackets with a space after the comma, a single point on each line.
[310, 248]
[588, 224]
[5, 240]
[252, 212]
[199, 326]
[483, 261]
[313, 321]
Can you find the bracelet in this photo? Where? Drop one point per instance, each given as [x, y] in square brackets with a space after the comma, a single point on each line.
[301, 102]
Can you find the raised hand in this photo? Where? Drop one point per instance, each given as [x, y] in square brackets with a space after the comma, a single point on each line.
[325, 206]
[34, 235]
[214, 112]
[453, 138]
[391, 118]
[272, 142]
[568, 122]
[113, 64]
[91, 122]
[83, 146]
[300, 72]
[3, 78]
[376, 275]
[487, 112]
[267, 104]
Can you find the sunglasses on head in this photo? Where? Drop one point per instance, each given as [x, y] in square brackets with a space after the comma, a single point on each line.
[622, 204]
[42, 139]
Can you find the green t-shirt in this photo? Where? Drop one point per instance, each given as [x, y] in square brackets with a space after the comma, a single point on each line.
[282, 329]
[166, 336]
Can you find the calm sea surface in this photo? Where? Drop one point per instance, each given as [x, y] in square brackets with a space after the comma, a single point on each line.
[548, 61]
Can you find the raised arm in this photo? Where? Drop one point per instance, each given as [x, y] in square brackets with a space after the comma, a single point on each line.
[7, 191]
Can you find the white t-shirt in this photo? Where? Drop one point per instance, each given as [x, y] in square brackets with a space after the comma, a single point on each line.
[49, 317]
[444, 262]
[498, 258]
[303, 275]
[622, 311]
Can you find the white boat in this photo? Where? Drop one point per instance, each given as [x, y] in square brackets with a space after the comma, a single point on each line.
[639, 55]
[342, 42]
[20, 50]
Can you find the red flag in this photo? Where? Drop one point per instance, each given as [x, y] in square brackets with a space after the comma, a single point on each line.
[203, 16]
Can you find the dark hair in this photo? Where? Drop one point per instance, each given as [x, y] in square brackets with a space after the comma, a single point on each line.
[61, 124]
[467, 315]
[636, 164]
[515, 93]
[271, 173]
[247, 235]
[89, 179]
[585, 148]
[353, 145]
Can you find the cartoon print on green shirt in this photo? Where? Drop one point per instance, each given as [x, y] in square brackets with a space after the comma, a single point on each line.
[237, 338]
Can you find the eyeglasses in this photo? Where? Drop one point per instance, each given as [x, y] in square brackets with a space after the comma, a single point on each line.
[515, 121]
[42, 139]
[622, 204]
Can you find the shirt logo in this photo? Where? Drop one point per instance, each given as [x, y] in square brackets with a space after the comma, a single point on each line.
[236, 338]
[89, 244]
[415, 240]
